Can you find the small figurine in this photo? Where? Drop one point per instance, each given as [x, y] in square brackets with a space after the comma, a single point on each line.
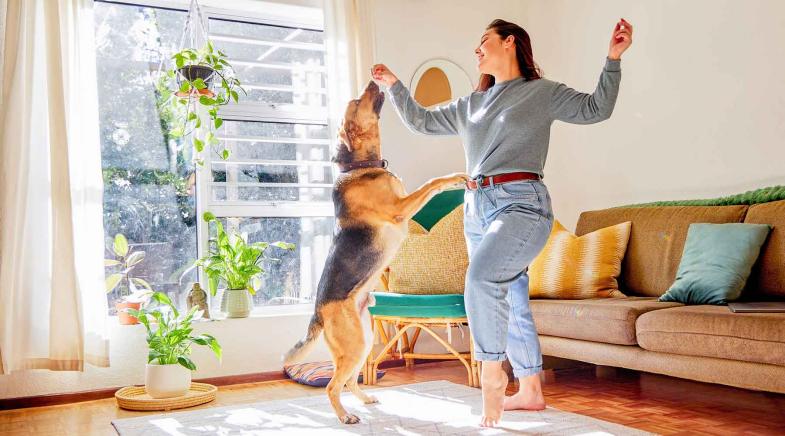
[198, 297]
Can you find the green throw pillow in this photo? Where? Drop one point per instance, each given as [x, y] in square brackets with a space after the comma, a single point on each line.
[438, 207]
[716, 262]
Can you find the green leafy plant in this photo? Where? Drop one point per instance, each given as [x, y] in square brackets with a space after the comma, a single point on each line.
[179, 96]
[131, 288]
[170, 340]
[232, 260]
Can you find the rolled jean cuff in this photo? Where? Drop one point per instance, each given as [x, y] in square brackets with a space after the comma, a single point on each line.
[490, 357]
[525, 372]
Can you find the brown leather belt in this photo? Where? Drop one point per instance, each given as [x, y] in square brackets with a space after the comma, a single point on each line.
[501, 178]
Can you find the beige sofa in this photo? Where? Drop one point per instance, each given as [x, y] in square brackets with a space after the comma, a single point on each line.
[705, 343]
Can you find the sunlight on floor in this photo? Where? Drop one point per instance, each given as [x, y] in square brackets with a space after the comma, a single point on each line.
[424, 408]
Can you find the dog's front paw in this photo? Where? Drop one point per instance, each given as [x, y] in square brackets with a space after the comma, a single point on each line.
[452, 181]
[371, 400]
[349, 419]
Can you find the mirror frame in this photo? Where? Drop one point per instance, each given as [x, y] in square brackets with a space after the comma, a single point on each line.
[460, 82]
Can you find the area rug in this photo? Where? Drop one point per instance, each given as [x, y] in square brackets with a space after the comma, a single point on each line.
[430, 408]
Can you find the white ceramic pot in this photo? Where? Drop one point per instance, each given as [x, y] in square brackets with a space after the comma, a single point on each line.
[166, 381]
[236, 303]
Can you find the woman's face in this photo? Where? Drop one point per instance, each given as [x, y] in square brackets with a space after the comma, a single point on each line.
[492, 52]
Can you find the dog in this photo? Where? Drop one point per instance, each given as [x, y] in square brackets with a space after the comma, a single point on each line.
[372, 210]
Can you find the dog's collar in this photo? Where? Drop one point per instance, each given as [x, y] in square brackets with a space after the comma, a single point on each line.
[346, 167]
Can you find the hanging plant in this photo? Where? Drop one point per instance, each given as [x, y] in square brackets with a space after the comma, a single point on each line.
[191, 93]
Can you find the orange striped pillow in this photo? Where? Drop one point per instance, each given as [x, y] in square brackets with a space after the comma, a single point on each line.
[574, 268]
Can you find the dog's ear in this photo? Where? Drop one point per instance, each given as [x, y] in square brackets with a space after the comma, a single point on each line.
[344, 137]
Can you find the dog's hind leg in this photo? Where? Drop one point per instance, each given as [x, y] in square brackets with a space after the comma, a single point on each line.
[344, 336]
[355, 388]
[343, 372]
[365, 321]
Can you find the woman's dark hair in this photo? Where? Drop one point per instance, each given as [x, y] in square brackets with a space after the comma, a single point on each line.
[523, 52]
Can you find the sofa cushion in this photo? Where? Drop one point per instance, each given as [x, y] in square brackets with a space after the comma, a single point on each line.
[714, 331]
[716, 262]
[609, 320]
[572, 268]
[656, 240]
[767, 280]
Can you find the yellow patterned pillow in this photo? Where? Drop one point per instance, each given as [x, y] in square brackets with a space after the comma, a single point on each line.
[432, 262]
[573, 268]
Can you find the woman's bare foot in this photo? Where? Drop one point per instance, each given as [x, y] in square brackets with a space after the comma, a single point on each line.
[494, 383]
[529, 396]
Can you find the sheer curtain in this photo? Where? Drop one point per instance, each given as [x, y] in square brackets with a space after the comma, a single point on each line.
[350, 45]
[52, 301]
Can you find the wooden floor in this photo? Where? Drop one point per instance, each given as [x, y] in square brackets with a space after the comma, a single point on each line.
[645, 401]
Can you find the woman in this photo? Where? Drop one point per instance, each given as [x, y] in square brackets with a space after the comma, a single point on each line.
[505, 128]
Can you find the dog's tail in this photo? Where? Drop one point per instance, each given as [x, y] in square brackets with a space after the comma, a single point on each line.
[302, 347]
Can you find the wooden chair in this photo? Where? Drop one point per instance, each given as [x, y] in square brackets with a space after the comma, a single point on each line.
[423, 262]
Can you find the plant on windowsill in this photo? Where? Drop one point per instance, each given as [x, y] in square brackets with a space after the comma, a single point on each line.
[133, 291]
[168, 370]
[235, 263]
[189, 101]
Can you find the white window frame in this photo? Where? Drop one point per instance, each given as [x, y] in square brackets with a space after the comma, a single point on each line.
[287, 16]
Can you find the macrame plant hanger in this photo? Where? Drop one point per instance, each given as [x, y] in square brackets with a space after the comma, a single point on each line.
[197, 35]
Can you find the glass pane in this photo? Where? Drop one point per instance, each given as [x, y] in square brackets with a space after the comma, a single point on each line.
[236, 173]
[298, 98]
[264, 32]
[295, 277]
[148, 182]
[277, 65]
[257, 147]
[249, 193]
[248, 148]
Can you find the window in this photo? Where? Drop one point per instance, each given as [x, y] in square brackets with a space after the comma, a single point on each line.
[276, 184]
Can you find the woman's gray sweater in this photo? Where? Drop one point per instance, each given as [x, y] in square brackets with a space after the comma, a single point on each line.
[507, 128]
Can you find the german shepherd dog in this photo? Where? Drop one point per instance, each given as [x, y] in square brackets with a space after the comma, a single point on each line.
[372, 211]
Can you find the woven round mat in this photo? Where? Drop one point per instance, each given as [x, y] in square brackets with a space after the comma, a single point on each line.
[136, 398]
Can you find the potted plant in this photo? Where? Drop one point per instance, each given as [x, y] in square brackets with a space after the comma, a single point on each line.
[169, 340]
[233, 262]
[133, 291]
[190, 99]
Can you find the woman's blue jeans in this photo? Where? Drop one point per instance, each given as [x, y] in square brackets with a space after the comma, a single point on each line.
[506, 226]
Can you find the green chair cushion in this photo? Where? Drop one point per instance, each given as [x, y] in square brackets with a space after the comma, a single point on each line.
[418, 306]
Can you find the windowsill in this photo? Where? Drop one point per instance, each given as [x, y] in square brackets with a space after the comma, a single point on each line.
[258, 312]
[284, 310]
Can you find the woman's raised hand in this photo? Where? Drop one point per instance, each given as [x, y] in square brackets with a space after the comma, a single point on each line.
[621, 39]
[383, 76]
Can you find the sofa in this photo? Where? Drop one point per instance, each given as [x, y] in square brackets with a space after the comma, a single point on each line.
[700, 342]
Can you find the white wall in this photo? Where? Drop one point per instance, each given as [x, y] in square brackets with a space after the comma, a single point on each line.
[699, 114]
[701, 105]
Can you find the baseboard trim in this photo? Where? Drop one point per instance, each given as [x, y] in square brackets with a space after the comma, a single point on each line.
[100, 394]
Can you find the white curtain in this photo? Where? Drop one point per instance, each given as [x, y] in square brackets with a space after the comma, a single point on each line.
[52, 301]
[350, 46]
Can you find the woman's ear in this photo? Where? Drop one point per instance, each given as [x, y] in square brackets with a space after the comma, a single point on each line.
[509, 41]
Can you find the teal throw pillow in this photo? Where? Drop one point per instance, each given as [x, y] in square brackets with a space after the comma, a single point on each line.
[716, 262]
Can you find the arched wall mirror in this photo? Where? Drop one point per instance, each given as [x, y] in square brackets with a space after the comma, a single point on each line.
[439, 81]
